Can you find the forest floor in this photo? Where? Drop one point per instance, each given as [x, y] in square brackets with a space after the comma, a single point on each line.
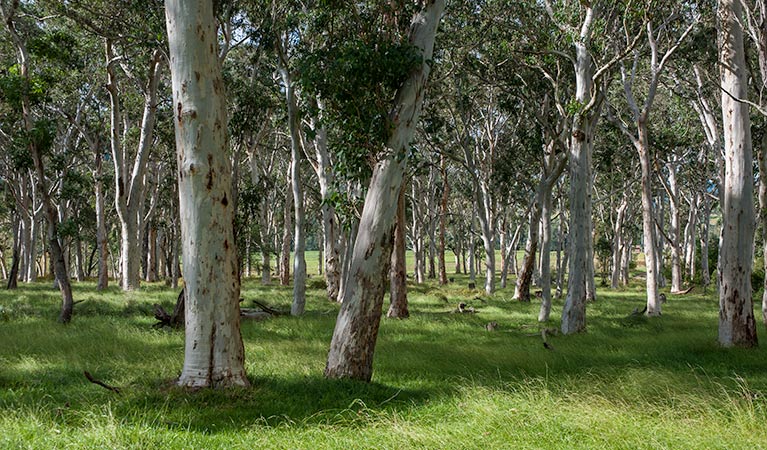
[441, 380]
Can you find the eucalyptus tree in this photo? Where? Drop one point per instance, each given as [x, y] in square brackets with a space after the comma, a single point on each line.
[575, 24]
[214, 353]
[133, 50]
[664, 35]
[354, 337]
[37, 133]
[737, 326]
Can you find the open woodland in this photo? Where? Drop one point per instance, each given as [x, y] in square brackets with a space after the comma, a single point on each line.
[383, 224]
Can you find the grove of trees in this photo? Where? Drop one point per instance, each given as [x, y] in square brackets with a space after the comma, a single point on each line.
[551, 140]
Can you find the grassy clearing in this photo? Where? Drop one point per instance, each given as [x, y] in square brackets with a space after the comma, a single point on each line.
[441, 380]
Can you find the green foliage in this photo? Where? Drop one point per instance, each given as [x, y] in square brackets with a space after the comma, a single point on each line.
[357, 80]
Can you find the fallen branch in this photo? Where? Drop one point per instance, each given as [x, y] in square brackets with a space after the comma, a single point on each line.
[686, 291]
[100, 383]
[270, 310]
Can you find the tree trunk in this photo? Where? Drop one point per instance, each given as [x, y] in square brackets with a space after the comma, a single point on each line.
[354, 337]
[13, 276]
[648, 224]
[736, 315]
[151, 255]
[525, 277]
[546, 204]
[130, 188]
[214, 354]
[286, 236]
[398, 290]
[618, 241]
[101, 227]
[442, 220]
[299, 234]
[580, 268]
[330, 226]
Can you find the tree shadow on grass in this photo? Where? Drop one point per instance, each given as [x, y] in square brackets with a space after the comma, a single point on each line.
[274, 401]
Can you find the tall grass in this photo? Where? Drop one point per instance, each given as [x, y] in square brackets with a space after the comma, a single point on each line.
[441, 380]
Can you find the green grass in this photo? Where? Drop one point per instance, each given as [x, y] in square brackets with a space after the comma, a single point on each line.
[440, 380]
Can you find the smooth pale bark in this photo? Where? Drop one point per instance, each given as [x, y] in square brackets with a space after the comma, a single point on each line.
[551, 168]
[618, 241]
[398, 307]
[580, 268]
[330, 226]
[762, 220]
[640, 140]
[546, 204]
[299, 233]
[675, 241]
[213, 353]
[101, 227]
[648, 223]
[354, 337]
[130, 187]
[510, 262]
[737, 326]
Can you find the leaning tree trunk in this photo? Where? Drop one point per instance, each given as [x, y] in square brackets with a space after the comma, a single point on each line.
[354, 337]
[737, 326]
[214, 354]
[398, 283]
[525, 277]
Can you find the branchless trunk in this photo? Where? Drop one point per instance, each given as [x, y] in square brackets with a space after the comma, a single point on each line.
[286, 235]
[330, 226]
[398, 283]
[354, 337]
[736, 315]
[299, 235]
[618, 241]
[214, 354]
[442, 220]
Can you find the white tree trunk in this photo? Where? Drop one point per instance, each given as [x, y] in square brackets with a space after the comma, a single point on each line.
[736, 315]
[648, 224]
[130, 188]
[580, 268]
[299, 234]
[214, 354]
[354, 337]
